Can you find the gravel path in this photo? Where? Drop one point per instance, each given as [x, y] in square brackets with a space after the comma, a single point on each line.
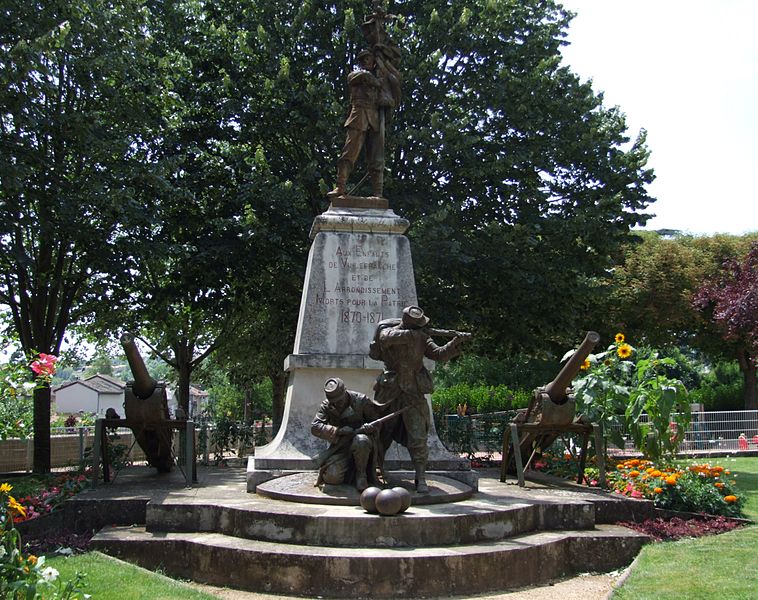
[582, 587]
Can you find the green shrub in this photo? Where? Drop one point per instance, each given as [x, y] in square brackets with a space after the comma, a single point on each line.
[479, 399]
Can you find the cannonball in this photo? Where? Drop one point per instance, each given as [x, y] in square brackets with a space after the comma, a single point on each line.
[368, 498]
[405, 497]
[388, 502]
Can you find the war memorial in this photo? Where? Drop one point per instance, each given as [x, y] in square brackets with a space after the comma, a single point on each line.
[356, 496]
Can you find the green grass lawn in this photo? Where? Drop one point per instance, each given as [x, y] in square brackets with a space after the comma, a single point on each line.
[719, 566]
[111, 579]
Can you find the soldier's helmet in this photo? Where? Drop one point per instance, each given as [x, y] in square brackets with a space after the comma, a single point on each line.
[414, 317]
[334, 388]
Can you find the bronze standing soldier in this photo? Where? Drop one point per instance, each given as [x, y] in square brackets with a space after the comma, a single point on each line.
[354, 452]
[365, 123]
[402, 345]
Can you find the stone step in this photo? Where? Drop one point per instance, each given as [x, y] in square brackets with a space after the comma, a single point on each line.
[340, 572]
[454, 523]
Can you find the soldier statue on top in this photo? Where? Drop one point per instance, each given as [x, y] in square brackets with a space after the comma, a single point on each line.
[374, 93]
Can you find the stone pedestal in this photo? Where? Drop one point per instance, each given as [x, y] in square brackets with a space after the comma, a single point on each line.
[359, 272]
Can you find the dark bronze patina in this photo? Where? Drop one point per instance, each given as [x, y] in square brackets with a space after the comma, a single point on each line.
[551, 411]
[146, 406]
[350, 422]
[402, 344]
[374, 94]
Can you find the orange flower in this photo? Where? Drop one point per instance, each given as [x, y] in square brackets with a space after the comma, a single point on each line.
[586, 365]
[671, 480]
[718, 484]
[634, 473]
[32, 559]
[730, 499]
[658, 490]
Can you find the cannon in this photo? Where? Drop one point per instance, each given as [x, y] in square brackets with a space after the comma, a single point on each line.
[552, 407]
[146, 408]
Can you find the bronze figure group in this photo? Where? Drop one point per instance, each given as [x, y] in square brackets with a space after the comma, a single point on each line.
[360, 429]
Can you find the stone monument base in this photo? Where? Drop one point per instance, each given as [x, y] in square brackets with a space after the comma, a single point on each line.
[301, 487]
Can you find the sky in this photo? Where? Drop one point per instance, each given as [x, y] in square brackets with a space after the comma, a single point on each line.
[687, 72]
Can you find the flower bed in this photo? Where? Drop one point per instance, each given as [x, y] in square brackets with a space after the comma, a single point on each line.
[22, 573]
[50, 495]
[702, 488]
[674, 528]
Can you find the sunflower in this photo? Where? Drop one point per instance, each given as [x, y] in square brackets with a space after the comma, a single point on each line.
[586, 365]
[619, 338]
[624, 351]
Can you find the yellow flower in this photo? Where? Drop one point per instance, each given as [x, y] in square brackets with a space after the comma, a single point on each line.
[32, 559]
[730, 499]
[5, 487]
[620, 338]
[624, 351]
[13, 505]
[585, 365]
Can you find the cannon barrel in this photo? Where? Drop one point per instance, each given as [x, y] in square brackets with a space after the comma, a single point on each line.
[144, 385]
[556, 389]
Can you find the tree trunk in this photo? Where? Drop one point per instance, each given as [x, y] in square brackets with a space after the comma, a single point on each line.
[183, 387]
[279, 387]
[42, 429]
[748, 368]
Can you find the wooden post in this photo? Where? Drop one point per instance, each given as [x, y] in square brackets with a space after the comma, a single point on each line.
[517, 454]
[597, 429]
[96, 450]
[190, 467]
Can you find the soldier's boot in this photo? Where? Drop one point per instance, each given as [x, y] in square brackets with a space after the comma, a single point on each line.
[420, 481]
[361, 449]
[343, 172]
[377, 183]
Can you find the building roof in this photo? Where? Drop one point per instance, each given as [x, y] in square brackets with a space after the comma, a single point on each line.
[103, 384]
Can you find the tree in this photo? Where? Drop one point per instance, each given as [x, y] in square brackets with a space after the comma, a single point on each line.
[730, 299]
[654, 281]
[505, 163]
[73, 86]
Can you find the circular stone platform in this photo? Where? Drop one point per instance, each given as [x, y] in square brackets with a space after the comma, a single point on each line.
[301, 487]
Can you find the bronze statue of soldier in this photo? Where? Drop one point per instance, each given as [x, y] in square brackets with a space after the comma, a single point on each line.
[402, 344]
[365, 125]
[344, 419]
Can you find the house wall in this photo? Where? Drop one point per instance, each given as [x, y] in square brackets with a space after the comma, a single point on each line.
[74, 398]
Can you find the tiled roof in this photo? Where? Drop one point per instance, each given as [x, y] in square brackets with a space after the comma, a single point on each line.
[100, 383]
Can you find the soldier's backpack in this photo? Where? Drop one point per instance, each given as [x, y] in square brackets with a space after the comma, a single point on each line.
[375, 348]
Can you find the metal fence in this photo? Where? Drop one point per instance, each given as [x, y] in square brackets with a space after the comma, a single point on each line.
[718, 431]
[723, 431]
[70, 447]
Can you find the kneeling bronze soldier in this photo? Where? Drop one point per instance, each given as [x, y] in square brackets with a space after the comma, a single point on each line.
[345, 420]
